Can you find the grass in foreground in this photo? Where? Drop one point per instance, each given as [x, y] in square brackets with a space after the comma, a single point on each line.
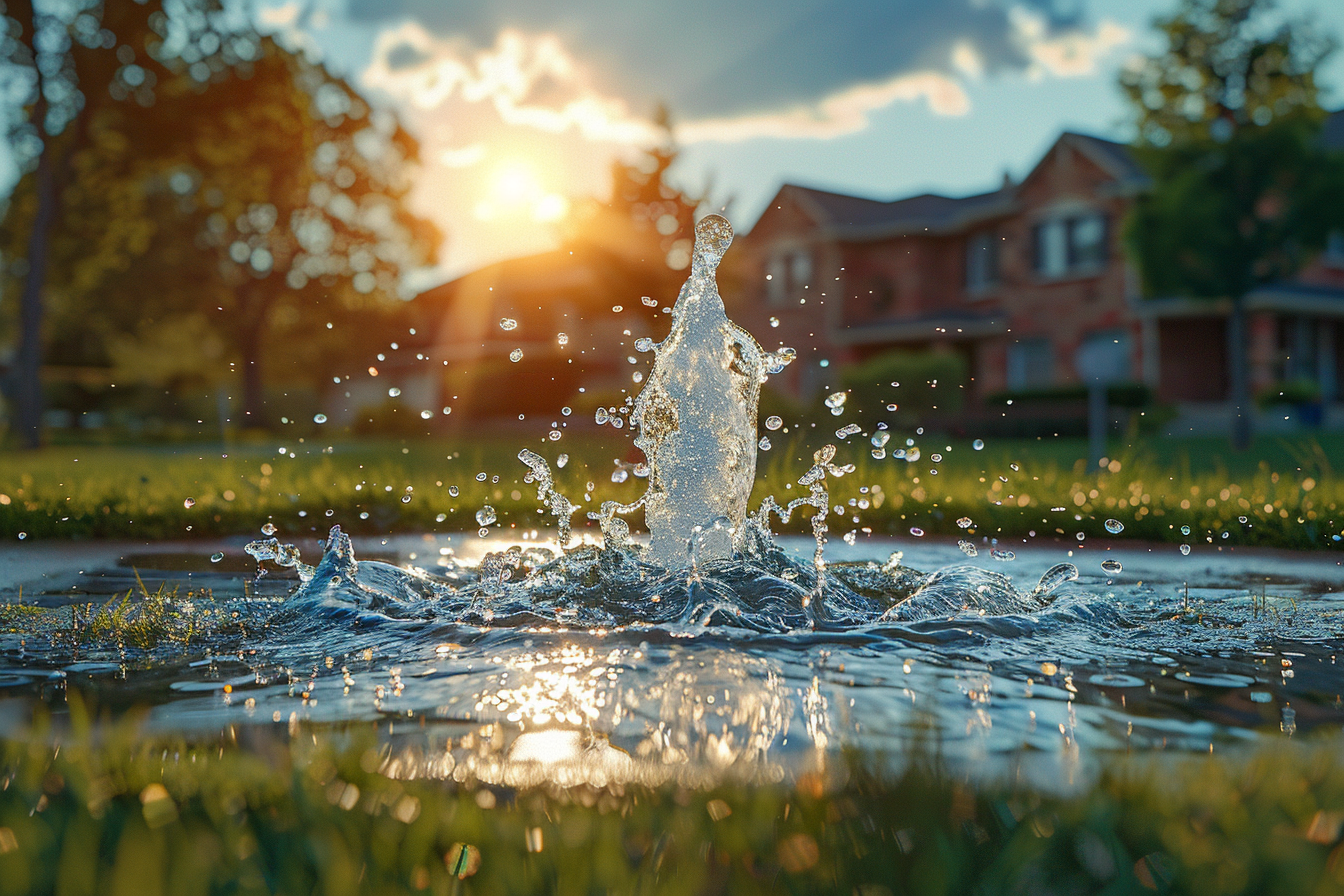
[1281, 494]
[103, 810]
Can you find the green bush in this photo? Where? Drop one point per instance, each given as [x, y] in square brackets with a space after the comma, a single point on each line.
[1119, 395]
[928, 381]
[1298, 391]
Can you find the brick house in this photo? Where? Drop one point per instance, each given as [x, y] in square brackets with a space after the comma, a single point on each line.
[1017, 281]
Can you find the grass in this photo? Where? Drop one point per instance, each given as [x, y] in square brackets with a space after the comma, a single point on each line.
[1286, 491]
[102, 808]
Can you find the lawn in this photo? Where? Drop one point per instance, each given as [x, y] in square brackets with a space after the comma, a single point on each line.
[1281, 493]
[290, 808]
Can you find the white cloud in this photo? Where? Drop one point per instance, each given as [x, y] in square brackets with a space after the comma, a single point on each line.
[529, 80]
[841, 113]
[1069, 54]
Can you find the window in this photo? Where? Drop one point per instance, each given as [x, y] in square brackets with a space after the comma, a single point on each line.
[881, 293]
[982, 261]
[787, 273]
[1031, 364]
[1069, 245]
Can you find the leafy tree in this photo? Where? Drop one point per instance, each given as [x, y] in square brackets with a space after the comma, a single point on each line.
[77, 66]
[1243, 191]
[292, 188]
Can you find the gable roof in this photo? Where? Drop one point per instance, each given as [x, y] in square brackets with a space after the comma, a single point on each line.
[842, 216]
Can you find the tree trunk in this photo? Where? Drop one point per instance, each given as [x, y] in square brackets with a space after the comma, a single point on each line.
[27, 371]
[1239, 375]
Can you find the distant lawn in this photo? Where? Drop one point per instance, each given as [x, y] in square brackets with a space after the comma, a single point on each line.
[1286, 490]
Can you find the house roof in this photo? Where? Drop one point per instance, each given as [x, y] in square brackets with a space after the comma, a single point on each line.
[855, 217]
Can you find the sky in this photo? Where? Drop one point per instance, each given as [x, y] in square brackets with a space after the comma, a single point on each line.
[521, 105]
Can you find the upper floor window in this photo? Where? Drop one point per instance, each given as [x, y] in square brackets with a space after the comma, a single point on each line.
[1069, 245]
[1031, 364]
[787, 273]
[982, 261]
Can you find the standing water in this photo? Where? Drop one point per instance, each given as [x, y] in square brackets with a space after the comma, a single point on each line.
[718, 648]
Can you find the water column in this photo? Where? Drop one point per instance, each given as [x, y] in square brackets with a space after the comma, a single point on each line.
[697, 418]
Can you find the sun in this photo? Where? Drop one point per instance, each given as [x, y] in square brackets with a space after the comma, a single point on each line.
[515, 190]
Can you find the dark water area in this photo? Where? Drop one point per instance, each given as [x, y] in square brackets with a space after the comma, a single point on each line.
[597, 668]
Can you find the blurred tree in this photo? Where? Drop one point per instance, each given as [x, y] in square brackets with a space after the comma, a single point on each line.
[75, 66]
[214, 173]
[293, 187]
[641, 235]
[1244, 192]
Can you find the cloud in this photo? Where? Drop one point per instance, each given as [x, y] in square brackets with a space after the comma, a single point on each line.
[1072, 53]
[529, 80]
[842, 113]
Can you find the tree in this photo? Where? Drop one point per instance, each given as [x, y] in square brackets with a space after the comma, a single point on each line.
[645, 230]
[294, 190]
[76, 65]
[217, 175]
[1243, 191]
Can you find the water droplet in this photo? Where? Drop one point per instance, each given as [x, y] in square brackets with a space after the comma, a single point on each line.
[393, 392]
[1055, 576]
[447, 411]
[617, 422]
[22, 536]
[774, 321]
[763, 444]
[880, 439]
[508, 323]
[1115, 527]
[480, 477]
[912, 454]
[1185, 549]
[189, 503]
[1014, 467]
[452, 490]
[916, 531]
[554, 435]
[516, 355]
[965, 522]
[1111, 567]
[1241, 519]
[978, 445]
[268, 529]
[426, 415]
[845, 432]
[773, 423]
[637, 377]
[319, 418]
[967, 548]
[1002, 555]
[216, 556]
[936, 458]
[644, 344]
[405, 499]
[441, 517]
[878, 453]
[562, 460]
[600, 416]
[1185, 530]
[364, 515]
[620, 474]
[485, 516]
[618, 308]
[836, 400]
[562, 338]
[482, 531]
[649, 301]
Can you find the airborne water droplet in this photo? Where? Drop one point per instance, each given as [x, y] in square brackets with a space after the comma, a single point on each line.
[189, 503]
[644, 344]
[562, 460]
[562, 338]
[1115, 527]
[1185, 530]
[268, 529]
[836, 400]
[978, 444]
[1002, 555]
[426, 415]
[508, 323]
[516, 355]
[650, 301]
[319, 418]
[916, 531]
[773, 423]
[1111, 566]
[485, 516]
[764, 443]
[216, 556]
[845, 432]
[393, 392]
[452, 490]
[1054, 577]
[967, 548]
[480, 477]
[1185, 549]
[965, 522]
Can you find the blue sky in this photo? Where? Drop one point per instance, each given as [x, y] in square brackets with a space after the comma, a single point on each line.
[520, 105]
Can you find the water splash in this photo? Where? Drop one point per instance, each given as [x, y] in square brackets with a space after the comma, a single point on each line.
[697, 419]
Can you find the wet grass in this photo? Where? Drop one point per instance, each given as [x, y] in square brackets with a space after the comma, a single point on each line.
[292, 809]
[1286, 491]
